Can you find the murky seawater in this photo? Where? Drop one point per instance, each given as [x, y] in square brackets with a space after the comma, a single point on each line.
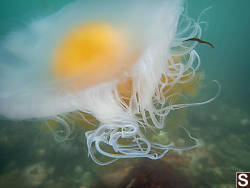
[30, 156]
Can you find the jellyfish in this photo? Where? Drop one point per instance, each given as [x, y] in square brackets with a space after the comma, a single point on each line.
[117, 62]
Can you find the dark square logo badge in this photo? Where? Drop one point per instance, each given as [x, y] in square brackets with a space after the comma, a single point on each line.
[242, 179]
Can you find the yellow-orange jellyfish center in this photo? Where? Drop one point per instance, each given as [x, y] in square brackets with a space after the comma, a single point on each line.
[91, 54]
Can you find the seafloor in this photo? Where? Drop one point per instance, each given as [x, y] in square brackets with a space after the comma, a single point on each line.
[30, 157]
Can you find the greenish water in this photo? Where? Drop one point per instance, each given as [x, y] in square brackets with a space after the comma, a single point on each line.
[30, 157]
[228, 28]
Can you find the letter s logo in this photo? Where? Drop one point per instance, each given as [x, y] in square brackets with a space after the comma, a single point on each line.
[242, 180]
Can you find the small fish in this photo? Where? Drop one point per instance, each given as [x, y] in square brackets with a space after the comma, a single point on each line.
[200, 41]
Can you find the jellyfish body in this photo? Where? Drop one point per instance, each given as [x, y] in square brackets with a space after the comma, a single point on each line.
[113, 61]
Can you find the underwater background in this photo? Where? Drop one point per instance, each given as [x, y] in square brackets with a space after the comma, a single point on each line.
[30, 156]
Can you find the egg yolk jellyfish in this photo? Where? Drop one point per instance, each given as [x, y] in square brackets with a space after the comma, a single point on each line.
[118, 62]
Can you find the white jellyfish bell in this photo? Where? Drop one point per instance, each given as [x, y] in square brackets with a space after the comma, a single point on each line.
[117, 61]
